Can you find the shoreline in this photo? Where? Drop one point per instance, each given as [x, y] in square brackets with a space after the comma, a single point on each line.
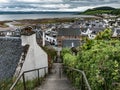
[27, 22]
[46, 16]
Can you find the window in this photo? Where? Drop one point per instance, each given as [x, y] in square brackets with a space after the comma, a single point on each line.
[59, 41]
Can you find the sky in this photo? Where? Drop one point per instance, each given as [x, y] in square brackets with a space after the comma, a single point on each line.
[55, 5]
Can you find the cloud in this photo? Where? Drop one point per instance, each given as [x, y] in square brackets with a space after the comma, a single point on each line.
[77, 9]
[39, 1]
[28, 0]
[4, 1]
[54, 5]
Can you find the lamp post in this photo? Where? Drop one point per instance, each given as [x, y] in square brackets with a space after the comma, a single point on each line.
[43, 38]
[43, 35]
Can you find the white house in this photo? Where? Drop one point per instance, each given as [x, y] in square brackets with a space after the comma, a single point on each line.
[35, 58]
[91, 36]
[87, 32]
[51, 39]
[116, 32]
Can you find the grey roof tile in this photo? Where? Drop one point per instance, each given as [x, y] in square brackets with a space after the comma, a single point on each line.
[10, 52]
[68, 43]
[68, 32]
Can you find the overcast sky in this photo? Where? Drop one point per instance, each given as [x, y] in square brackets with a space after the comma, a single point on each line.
[55, 5]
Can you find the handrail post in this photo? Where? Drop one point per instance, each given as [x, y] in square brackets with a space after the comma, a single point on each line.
[60, 72]
[45, 71]
[23, 77]
[72, 78]
[82, 82]
[38, 77]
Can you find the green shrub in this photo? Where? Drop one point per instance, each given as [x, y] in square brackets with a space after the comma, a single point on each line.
[100, 60]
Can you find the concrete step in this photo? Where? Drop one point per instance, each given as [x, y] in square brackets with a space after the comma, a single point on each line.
[55, 82]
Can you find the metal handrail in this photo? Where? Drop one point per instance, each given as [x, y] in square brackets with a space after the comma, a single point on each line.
[22, 75]
[83, 73]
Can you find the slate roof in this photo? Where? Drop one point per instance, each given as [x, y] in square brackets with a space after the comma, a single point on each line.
[83, 29]
[10, 52]
[98, 29]
[118, 31]
[69, 32]
[94, 30]
[68, 43]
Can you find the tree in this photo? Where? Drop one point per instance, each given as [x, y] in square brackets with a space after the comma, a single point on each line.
[106, 34]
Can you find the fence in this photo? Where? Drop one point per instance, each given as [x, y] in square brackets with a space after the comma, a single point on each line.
[24, 80]
[82, 80]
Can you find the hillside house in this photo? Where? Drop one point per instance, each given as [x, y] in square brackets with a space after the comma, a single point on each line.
[91, 32]
[50, 36]
[116, 32]
[67, 35]
[9, 33]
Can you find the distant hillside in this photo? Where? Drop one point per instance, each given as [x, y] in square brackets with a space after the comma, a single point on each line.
[102, 10]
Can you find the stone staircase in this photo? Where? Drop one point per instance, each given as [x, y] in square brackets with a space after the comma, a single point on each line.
[56, 80]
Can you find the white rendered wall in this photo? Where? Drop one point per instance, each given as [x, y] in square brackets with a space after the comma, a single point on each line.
[35, 58]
